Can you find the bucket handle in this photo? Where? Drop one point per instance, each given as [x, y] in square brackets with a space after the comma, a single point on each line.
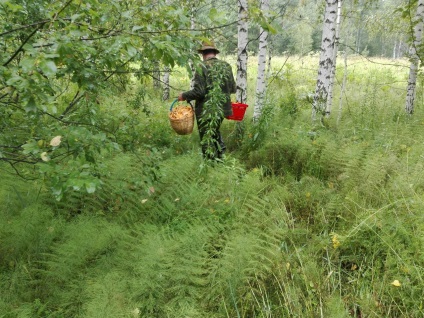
[175, 101]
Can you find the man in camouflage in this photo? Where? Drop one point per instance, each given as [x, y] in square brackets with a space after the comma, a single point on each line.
[213, 85]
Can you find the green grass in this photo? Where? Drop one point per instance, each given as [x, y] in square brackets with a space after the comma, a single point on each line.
[299, 221]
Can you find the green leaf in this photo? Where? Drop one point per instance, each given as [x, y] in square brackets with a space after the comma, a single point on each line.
[48, 68]
[11, 6]
[77, 184]
[14, 79]
[57, 192]
[27, 64]
[75, 17]
[127, 14]
[212, 13]
[31, 106]
[136, 28]
[132, 51]
[30, 147]
[90, 187]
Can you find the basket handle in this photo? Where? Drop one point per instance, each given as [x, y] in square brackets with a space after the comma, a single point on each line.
[175, 101]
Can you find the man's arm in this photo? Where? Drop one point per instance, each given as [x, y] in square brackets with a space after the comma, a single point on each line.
[199, 88]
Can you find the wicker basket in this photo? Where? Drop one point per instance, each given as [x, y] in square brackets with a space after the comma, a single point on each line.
[183, 125]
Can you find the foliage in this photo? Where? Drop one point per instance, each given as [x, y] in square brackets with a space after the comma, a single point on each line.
[300, 222]
[213, 113]
[60, 61]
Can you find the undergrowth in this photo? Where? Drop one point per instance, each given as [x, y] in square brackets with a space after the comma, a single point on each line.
[299, 221]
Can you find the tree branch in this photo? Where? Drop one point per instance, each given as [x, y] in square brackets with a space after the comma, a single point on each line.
[17, 171]
[22, 45]
[39, 26]
[74, 101]
[183, 29]
[24, 27]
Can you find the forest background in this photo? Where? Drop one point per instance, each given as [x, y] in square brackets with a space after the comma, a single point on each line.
[107, 212]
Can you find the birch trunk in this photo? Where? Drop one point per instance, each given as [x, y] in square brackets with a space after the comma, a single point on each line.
[166, 74]
[326, 58]
[190, 63]
[342, 90]
[241, 80]
[261, 79]
[156, 76]
[333, 67]
[395, 50]
[268, 67]
[412, 81]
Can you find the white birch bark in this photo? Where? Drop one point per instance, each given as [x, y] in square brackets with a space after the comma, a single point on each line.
[333, 67]
[156, 76]
[412, 81]
[261, 78]
[191, 64]
[166, 74]
[268, 67]
[326, 58]
[342, 90]
[241, 80]
[395, 49]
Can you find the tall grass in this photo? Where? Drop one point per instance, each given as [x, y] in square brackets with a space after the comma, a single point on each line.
[299, 221]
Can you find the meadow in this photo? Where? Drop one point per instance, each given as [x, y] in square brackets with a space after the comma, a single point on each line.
[302, 219]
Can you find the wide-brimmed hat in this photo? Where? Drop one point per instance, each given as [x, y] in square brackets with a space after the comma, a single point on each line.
[208, 45]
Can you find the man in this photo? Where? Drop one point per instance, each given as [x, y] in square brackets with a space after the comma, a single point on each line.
[213, 85]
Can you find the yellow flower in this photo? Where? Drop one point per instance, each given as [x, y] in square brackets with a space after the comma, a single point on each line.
[396, 283]
[335, 241]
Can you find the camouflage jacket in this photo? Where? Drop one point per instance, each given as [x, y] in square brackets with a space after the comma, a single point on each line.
[202, 85]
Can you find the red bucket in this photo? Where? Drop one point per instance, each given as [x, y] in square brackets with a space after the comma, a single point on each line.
[239, 110]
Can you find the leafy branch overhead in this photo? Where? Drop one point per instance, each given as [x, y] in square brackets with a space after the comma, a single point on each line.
[57, 60]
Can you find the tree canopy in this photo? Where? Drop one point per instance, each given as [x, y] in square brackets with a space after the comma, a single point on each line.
[57, 61]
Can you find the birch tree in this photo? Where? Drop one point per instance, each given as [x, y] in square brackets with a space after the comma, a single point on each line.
[192, 27]
[166, 73]
[342, 90]
[166, 91]
[242, 27]
[326, 61]
[333, 67]
[261, 78]
[156, 76]
[415, 61]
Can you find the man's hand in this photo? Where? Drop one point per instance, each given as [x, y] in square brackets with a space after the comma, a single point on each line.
[180, 97]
